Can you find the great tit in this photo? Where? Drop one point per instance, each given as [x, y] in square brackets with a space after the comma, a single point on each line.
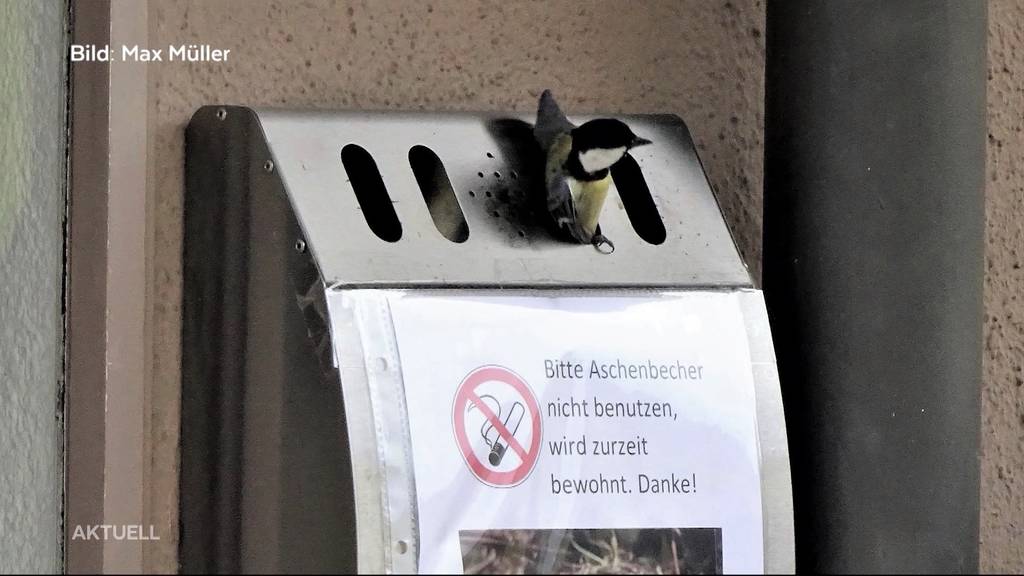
[577, 172]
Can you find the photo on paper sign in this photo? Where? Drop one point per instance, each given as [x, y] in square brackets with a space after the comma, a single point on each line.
[592, 551]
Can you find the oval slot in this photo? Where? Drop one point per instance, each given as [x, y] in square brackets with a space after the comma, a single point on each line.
[370, 193]
[438, 194]
[637, 200]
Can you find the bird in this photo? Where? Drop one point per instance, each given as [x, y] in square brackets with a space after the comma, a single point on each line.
[578, 161]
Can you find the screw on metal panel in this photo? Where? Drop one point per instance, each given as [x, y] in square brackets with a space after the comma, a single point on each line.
[300, 246]
[268, 165]
[222, 113]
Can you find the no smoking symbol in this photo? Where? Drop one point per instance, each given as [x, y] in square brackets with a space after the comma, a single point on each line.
[497, 426]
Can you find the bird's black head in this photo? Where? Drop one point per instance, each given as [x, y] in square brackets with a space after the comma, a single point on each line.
[605, 133]
[600, 143]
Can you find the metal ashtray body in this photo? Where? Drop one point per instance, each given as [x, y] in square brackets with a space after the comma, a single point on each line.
[281, 442]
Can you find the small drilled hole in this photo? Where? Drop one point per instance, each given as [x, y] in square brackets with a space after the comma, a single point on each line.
[221, 113]
[514, 175]
[472, 194]
[438, 193]
[496, 214]
[522, 234]
[497, 174]
[489, 155]
[403, 546]
[371, 193]
[637, 200]
[268, 165]
[489, 195]
[480, 174]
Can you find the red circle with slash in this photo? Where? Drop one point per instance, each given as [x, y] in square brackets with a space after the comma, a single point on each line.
[466, 395]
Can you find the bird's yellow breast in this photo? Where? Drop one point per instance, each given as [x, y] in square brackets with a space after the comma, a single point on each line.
[587, 196]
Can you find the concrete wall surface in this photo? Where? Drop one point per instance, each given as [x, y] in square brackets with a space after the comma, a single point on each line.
[701, 60]
[1002, 399]
[32, 152]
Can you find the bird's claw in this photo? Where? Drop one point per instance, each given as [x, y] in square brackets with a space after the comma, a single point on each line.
[600, 242]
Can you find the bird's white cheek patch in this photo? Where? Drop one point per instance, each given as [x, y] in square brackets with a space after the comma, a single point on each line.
[600, 158]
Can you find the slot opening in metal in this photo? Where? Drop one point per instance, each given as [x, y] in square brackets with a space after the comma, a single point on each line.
[438, 194]
[637, 200]
[372, 195]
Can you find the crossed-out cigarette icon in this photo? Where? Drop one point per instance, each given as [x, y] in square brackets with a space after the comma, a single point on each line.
[511, 421]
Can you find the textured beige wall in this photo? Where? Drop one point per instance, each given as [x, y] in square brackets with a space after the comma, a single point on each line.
[32, 145]
[1002, 467]
[701, 60]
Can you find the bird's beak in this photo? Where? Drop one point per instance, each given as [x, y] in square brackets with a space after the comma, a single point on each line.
[638, 141]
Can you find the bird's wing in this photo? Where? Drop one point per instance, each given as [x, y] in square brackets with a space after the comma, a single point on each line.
[563, 209]
[550, 121]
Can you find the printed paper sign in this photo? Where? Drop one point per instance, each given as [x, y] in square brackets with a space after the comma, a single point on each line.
[581, 434]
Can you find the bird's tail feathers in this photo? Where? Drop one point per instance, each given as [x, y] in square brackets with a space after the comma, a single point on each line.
[550, 120]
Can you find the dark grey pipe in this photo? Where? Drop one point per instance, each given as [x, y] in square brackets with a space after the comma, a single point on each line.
[873, 243]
